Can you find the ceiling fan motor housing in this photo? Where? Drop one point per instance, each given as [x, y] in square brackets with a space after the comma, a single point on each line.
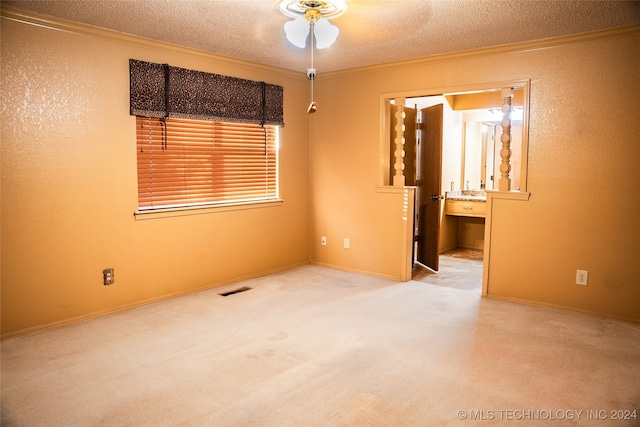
[327, 8]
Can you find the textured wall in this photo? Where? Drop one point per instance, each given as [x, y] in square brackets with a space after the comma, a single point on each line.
[69, 186]
[69, 179]
[584, 157]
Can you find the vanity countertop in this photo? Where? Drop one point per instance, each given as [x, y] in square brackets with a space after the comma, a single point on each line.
[467, 195]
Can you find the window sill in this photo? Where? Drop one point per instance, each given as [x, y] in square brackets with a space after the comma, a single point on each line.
[201, 210]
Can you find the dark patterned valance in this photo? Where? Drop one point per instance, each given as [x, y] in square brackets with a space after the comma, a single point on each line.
[159, 90]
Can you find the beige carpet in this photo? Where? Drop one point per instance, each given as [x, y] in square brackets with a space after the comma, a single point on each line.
[319, 347]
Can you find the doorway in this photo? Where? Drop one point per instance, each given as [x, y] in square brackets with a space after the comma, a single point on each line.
[456, 165]
[447, 248]
[481, 104]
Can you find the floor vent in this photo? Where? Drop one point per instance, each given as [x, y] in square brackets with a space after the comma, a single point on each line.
[236, 291]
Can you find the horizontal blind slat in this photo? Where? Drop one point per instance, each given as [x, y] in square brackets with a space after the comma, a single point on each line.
[193, 162]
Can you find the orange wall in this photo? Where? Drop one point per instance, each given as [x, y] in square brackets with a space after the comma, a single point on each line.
[69, 186]
[69, 179]
[584, 158]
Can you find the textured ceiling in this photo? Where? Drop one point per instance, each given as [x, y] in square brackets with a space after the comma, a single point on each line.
[371, 31]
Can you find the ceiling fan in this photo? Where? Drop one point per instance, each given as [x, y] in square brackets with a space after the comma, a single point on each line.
[311, 19]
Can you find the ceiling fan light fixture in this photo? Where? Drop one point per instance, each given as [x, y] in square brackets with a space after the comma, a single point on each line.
[311, 15]
[325, 33]
[297, 31]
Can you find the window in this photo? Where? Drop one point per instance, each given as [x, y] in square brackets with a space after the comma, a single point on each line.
[193, 163]
[203, 139]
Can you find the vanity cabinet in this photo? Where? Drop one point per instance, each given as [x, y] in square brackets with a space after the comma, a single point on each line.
[475, 209]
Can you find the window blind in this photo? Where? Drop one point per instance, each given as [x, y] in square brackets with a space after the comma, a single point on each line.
[184, 162]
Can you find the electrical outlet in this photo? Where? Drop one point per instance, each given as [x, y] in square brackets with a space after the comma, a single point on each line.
[581, 277]
[346, 243]
[323, 240]
[107, 276]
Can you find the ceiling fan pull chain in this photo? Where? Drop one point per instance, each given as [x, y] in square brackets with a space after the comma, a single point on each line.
[311, 74]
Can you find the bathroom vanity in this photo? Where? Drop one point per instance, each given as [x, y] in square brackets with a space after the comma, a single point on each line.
[468, 203]
[466, 210]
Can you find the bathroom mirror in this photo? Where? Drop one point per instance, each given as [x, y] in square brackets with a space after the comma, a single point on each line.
[481, 142]
[481, 145]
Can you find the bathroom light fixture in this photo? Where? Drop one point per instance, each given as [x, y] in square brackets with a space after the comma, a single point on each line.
[495, 114]
[311, 20]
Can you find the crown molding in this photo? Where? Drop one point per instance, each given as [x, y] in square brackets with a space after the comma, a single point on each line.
[494, 50]
[48, 22]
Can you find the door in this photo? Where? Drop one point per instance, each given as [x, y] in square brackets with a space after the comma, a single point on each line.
[429, 185]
